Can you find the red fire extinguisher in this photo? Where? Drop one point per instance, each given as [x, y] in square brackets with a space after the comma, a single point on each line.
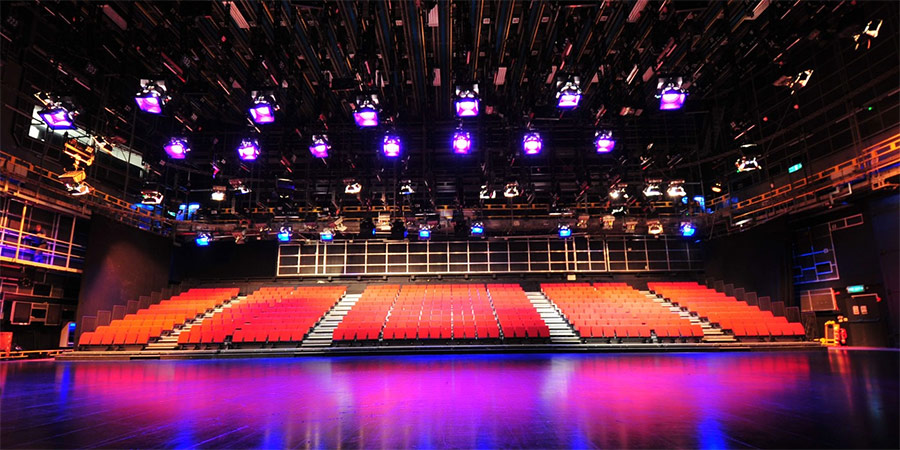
[843, 336]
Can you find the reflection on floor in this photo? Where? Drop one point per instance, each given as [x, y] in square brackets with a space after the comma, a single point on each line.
[789, 399]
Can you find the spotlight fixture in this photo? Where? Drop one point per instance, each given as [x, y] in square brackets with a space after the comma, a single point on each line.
[218, 193]
[326, 235]
[263, 109]
[670, 93]
[462, 142]
[57, 118]
[603, 141]
[466, 102]
[630, 225]
[151, 197]
[687, 229]
[352, 187]
[177, 148]
[391, 145]
[676, 189]
[800, 80]
[618, 191]
[319, 146]
[568, 93]
[477, 229]
[532, 143]
[654, 228]
[248, 150]
[152, 96]
[651, 189]
[564, 231]
[239, 186]
[406, 188]
[486, 193]
[745, 164]
[512, 190]
[284, 233]
[202, 239]
[869, 33]
[78, 189]
[609, 221]
[716, 187]
[424, 232]
[366, 114]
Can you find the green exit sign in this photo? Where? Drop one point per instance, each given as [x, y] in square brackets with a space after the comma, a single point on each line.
[795, 167]
[856, 289]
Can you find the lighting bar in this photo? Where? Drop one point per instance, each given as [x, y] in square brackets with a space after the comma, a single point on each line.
[391, 145]
[319, 146]
[248, 150]
[603, 142]
[462, 142]
[177, 148]
[532, 143]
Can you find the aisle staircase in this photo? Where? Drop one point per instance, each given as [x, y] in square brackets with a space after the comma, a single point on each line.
[323, 333]
[560, 330]
[711, 333]
[170, 341]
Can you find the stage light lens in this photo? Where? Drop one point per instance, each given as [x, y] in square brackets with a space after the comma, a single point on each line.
[688, 229]
[671, 99]
[366, 116]
[477, 229]
[391, 146]
[202, 239]
[466, 107]
[177, 148]
[149, 102]
[262, 112]
[248, 150]
[462, 142]
[326, 236]
[319, 146]
[564, 231]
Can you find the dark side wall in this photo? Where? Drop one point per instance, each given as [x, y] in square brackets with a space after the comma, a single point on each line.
[757, 260]
[122, 264]
[226, 260]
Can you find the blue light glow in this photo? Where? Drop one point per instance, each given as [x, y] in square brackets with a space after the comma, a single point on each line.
[284, 236]
[424, 234]
[688, 229]
[326, 236]
[565, 231]
[202, 240]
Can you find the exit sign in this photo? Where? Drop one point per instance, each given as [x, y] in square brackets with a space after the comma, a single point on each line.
[795, 167]
[856, 289]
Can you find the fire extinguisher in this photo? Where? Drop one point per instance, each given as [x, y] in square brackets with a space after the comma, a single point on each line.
[843, 336]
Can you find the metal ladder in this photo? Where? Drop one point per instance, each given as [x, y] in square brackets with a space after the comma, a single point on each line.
[323, 333]
[170, 341]
[710, 332]
[560, 330]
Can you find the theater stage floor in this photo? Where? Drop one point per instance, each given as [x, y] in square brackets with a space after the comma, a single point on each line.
[765, 399]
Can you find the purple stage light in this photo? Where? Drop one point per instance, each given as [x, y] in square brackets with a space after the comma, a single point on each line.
[319, 146]
[366, 116]
[466, 107]
[462, 142]
[604, 142]
[57, 118]
[149, 102]
[262, 112]
[569, 100]
[532, 143]
[177, 148]
[671, 99]
[391, 146]
[248, 150]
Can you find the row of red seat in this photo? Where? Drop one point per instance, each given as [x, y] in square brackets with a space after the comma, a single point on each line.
[731, 314]
[151, 322]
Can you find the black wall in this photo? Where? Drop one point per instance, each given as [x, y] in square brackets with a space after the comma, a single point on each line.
[226, 260]
[122, 263]
[758, 259]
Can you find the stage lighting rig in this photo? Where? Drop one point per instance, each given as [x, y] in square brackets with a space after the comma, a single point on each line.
[57, 113]
[486, 193]
[424, 232]
[461, 142]
[654, 228]
[203, 238]
[238, 186]
[868, 34]
[319, 146]
[512, 190]
[745, 164]
[671, 93]
[717, 187]
[74, 182]
[326, 235]
[532, 143]
[568, 92]
[406, 188]
[609, 222]
[177, 148]
[687, 229]
[619, 191]
[564, 231]
[81, 153]
[264, 107]
[248, 150]
[151, 197]
[603, 141]
[218, 193]
[676, 189]
[477, 229]
[284, 233]
[152, 97]
[466, 102]
[391, 145]
[352, 187]
[651, 188]
[366, 113]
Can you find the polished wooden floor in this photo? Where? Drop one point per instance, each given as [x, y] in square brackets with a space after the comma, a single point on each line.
[833, 399]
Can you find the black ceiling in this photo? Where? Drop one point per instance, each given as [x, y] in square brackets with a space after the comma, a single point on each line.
[317, 56]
